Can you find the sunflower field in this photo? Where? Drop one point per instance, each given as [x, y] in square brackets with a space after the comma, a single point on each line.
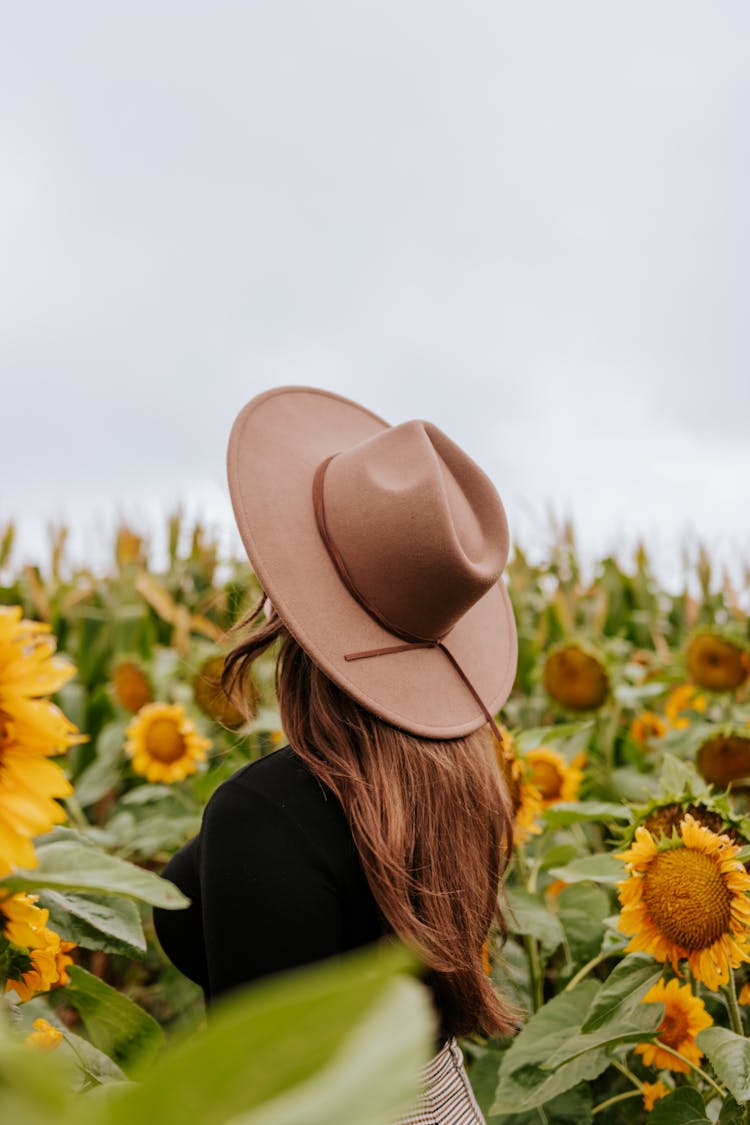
[626, 752]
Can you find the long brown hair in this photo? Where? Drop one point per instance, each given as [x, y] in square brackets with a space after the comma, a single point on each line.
[430, 820]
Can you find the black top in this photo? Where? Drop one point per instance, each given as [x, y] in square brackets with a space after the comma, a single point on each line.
[274, 878]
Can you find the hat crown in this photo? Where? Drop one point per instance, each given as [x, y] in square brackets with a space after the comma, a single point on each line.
[419, 526]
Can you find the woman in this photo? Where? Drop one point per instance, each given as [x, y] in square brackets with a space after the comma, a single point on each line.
[381, 551]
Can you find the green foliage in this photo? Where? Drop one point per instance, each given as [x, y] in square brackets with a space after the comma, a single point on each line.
[76, 866]
[683, 1107]
[564, 960]
[619, 997]
[729, 1054]
[582, 909]
[524, 1082]
[528, 915]
[117, 1026]
[107, 922]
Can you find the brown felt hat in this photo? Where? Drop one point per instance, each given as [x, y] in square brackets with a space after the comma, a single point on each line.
[369, 537]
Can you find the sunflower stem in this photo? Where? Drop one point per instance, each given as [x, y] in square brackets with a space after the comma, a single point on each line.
[76, 812]
[535, 971]
[588, 967]
[623, 1069]
[706, 1077]
[735, 1016]
[531, 945]
[613, 1101]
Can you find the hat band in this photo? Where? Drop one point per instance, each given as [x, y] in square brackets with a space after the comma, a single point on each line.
[412, 641]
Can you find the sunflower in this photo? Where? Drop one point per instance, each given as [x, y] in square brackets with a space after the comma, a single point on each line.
[131, 686]
[46, 967]
[685, 897]
[21, 921]
[32, 729]
[556, 779]
[665, 819]
[684, 1016]
[525, 798]
[646, 726]
[45, 1035]
[575, 676]
[652, 1092]
[715, 663]
[214, 701]
[164, 744]
[725, 757]
[744, 995]
[41, 956]
[681, 698]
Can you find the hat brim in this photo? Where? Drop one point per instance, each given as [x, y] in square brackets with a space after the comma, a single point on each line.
[277, 441]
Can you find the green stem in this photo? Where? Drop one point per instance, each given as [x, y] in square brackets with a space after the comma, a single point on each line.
[707, 1078]
[76, 812]
[735, 1016]
[530, 943]
[589, 966]
[95, 1079]
[614, 1100]
[535, 971]
[623, 1069]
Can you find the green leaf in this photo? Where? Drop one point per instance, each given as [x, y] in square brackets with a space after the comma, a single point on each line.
[571, 1108]
[336, 1043]
[483, 1074]
[678, 778]
[143, 794]
[96, 921]
[32, 1091]
[576, 734]
[74, 866]
[602, 868]
[548, 1028]
[117, 1026]
[561, 853]
[532, 1087]
[623, 990]
[96, 1068]
[563, 813]
[582, 908]
[729, 1055]
[683, 1107]
[731, 1113]
[69, 835]
[523, 1084]
[635, 696]
[529, 915]
[351, 1087]
[638, 1027]
[104, 771]
[143, 831]
[630, 785]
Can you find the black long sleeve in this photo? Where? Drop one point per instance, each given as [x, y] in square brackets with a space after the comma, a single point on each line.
[274, 878]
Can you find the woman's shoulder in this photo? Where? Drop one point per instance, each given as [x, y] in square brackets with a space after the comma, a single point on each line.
[283, 778]
[280, 788]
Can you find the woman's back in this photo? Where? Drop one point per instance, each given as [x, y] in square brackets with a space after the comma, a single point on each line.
[274, 877]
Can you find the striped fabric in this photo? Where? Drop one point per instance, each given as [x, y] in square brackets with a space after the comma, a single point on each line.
[448, 1098]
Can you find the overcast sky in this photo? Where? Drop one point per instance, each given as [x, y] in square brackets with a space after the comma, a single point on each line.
[527, 223]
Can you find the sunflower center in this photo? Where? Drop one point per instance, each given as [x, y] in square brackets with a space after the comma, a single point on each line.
[687, 898]
[164, 741]
[674, 1028]
[547, 780]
